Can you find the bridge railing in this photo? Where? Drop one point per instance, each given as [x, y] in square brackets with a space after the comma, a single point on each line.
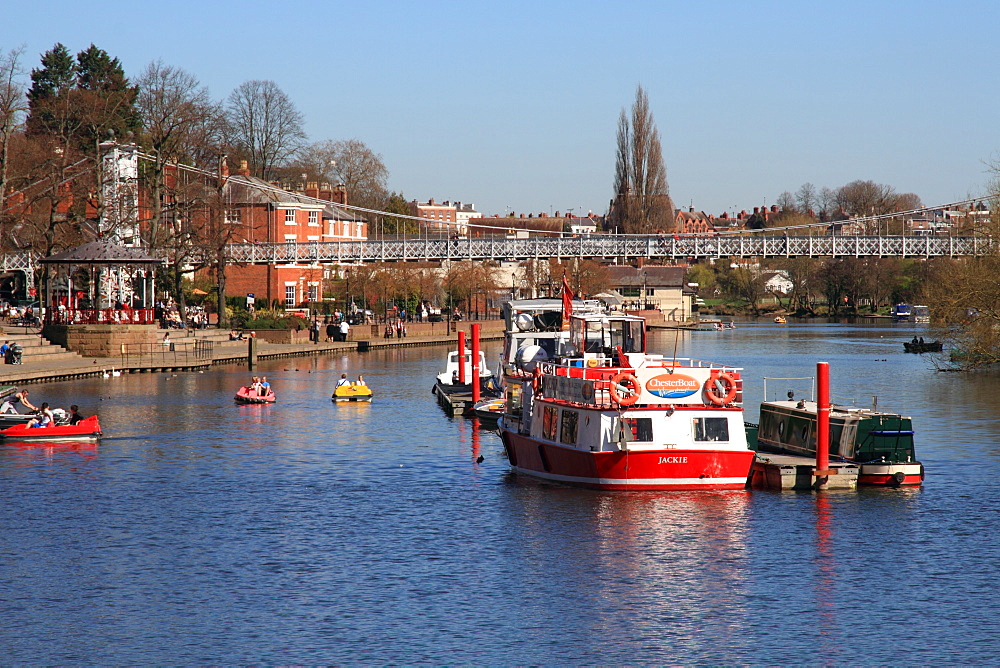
[607, 247]
[597, 246]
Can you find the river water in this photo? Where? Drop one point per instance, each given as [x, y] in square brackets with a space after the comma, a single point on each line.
[199, 531]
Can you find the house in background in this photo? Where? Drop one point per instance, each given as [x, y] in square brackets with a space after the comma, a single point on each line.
[654, 288]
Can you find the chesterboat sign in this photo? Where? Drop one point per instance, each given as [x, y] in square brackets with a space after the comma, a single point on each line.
[672, 386]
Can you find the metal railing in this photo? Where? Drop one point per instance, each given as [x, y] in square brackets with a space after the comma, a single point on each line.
[104, 316]
[605, 246]
[180, 353]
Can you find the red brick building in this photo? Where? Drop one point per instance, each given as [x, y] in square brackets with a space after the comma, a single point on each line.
[267, 213]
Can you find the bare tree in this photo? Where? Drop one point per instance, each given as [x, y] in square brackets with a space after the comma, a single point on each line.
[175, 109]
[807, 198]
[265, 125]
[787, 202]
[642, 201]
[351, 163]
[827, 204]
[13, 106]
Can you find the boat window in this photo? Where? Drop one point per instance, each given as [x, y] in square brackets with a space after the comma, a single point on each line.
[633, 333]
[641, 428]
[711, 429]
[550, 420]
[569, 423]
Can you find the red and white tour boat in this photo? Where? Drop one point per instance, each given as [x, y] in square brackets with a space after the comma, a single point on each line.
[604, 414]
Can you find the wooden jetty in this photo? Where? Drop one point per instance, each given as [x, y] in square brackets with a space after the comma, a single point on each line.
[790, 472]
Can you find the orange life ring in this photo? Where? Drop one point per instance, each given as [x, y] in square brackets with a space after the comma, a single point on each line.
[720, 389]
[536, 380]
[629, 381]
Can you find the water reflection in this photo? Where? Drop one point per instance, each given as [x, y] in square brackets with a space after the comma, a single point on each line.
[15, 454]
[660, 570]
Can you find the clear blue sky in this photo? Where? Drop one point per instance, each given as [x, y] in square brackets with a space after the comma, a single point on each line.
[515, 104]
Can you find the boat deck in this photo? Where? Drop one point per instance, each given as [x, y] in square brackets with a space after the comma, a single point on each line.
[790, 472]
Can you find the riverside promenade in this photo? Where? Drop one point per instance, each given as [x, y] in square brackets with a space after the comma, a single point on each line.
[44, 362]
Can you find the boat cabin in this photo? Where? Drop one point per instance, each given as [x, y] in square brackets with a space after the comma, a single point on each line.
[450, 375]
[604, 336]
[856, 434]
[534, 332]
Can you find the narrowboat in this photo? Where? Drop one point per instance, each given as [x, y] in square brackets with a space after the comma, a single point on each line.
[880, 443]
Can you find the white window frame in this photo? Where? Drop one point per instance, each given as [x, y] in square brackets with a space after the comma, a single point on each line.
[290, 295]
[290, 217]
[314, 219]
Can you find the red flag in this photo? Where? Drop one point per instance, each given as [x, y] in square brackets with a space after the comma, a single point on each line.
[567, 300]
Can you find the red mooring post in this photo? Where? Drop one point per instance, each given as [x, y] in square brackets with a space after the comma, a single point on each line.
[475, 362]
[461, 357]
[822, 418]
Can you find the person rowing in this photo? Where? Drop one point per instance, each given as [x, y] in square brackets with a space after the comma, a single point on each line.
[21, 397]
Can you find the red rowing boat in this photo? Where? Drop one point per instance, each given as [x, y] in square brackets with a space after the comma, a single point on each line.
[86, 429]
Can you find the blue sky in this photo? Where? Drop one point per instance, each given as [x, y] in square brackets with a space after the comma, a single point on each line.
[515, 105]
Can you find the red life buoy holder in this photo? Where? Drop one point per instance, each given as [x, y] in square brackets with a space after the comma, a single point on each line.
[721, 389]
[629, 382]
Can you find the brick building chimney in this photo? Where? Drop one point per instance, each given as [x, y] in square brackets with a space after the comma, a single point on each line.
[244, 169]
[339, 195]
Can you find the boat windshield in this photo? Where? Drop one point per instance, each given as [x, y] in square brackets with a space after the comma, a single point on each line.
[606, 335]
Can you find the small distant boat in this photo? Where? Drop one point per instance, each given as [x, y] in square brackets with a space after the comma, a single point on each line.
[86, 429]
[780, 319]
[352, 392]
[923, 347]
[450, 375]
[489, 411]
[247, 395]
[907, 313]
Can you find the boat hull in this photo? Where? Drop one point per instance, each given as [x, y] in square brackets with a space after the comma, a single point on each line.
[662, 469]
[910, 474]
[86, 429]
[245, 395]
[351, 393]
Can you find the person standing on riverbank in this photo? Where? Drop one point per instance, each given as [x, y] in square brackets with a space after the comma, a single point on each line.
[345, 329]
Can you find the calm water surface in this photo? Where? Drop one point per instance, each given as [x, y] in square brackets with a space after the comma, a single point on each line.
[204, 532]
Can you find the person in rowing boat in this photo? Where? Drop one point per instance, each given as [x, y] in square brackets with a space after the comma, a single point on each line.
[361, 381]
[265, 387]
[343, 382]
[21, 397]
[44, 418]
[74, 414]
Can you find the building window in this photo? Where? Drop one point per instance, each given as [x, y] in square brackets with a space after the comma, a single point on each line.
[289, 216]
[312, 293]
[234, 216]
[314, 218]
[629, 292]
[289, 295]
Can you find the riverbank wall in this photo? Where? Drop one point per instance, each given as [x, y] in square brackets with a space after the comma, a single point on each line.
[196, 350]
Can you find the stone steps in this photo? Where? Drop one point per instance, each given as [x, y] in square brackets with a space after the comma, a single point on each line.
[34, 347]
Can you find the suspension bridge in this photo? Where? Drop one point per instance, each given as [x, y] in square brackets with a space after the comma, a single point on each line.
[606, 247]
